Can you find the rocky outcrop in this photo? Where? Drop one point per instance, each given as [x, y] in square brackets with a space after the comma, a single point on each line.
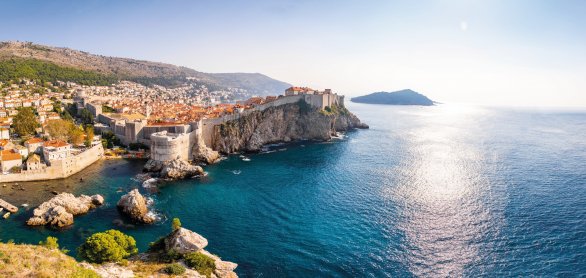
[134, 205]
[174, 169]
[203, 154]
[282, 123]
[109, 270]
[185, 241]
[59, 211]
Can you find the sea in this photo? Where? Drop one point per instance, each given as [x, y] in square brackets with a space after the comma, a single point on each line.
[446, 190]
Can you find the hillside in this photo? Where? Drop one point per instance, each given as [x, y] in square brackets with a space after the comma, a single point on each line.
[141, 71]
[22, 260]
[403, 97]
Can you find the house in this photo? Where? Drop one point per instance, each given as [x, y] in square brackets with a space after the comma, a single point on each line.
[22, 150]
[34, 163]
[4, 133]
[56, 150]
[6, 145]
[293, 91]
[9, 160]
[34, 145]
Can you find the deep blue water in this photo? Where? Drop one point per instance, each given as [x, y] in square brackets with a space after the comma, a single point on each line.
[427, 191]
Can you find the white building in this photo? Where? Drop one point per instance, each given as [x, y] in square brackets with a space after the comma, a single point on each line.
[9, 159]
[4, 133]
[56, 150]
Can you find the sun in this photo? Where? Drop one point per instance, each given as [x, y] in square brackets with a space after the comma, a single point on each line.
[463, 26]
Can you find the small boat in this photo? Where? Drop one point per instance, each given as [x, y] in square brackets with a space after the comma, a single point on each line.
[6, 215]
[246, 159]
[24, 205]
[236, 172]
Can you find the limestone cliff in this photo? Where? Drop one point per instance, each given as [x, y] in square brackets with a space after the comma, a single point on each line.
[284, 123]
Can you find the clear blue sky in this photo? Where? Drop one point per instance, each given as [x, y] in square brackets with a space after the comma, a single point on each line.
[513, 52]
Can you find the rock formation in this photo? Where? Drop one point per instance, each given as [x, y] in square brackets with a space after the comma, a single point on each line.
[174, 169]
[59, 211]
[202, 153]
[134, 205]
[283, 123]
[183, 241]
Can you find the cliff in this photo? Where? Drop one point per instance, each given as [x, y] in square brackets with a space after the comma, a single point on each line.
[284, 123]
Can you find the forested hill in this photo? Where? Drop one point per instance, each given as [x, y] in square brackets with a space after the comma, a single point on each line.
[31, 60]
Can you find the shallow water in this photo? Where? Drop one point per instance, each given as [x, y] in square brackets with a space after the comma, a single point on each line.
[427, 191]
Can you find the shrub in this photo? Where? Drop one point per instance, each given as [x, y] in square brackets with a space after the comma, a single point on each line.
[50, 243]
[174, 269]
[176, 224]
[201, 263]
[109, 246]
[157, 245]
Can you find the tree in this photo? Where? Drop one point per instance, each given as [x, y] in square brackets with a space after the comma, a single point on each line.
[86, 116]
[76, 136]
[108, 246]
[59, 129]
[89, 135]
[201, 263]
[25, 122]
[50, 242]
[176, 224]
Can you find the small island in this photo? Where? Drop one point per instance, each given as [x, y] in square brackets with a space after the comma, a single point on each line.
[403, 97]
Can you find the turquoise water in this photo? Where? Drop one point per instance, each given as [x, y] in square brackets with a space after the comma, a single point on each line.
[427, 191]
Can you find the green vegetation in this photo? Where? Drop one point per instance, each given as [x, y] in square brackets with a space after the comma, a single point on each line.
[107, 109]
[334, 110]
[16, 68]
[109, 140]
[86, 117]
[108, 246]
[174, 269]
[25, 122]
[176, 224]
[50, 243]
[201, 263]
[304, 107]
[137, 146]
[89, 135]
[23, 260]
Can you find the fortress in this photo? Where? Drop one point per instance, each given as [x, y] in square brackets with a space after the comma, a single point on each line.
[181, 141]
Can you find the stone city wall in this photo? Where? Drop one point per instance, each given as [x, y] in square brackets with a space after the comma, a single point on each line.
[59, 169]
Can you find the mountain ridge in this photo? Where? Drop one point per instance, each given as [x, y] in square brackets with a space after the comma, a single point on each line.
[142, 71]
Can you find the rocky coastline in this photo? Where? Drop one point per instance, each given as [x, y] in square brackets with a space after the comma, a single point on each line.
[59, 211]
[284, 123]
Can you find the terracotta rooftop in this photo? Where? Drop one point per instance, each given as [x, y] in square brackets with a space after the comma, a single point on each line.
[56, 143]
[7, 155]
[34, 140]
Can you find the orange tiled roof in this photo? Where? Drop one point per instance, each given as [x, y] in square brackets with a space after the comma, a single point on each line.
[56, 143]
[34, 140]
[4, 142]
[7, 155]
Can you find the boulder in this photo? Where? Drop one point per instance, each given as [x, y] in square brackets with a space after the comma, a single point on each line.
[153, 166]
[59, 211]
[134, 205]
[180, 169]
[184, 241]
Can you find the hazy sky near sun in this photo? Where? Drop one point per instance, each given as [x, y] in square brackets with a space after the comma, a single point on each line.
[504, 52]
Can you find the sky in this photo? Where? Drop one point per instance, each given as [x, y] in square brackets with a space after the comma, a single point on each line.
[497, 52]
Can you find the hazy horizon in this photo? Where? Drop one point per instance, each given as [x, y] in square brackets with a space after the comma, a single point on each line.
[522, 53]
